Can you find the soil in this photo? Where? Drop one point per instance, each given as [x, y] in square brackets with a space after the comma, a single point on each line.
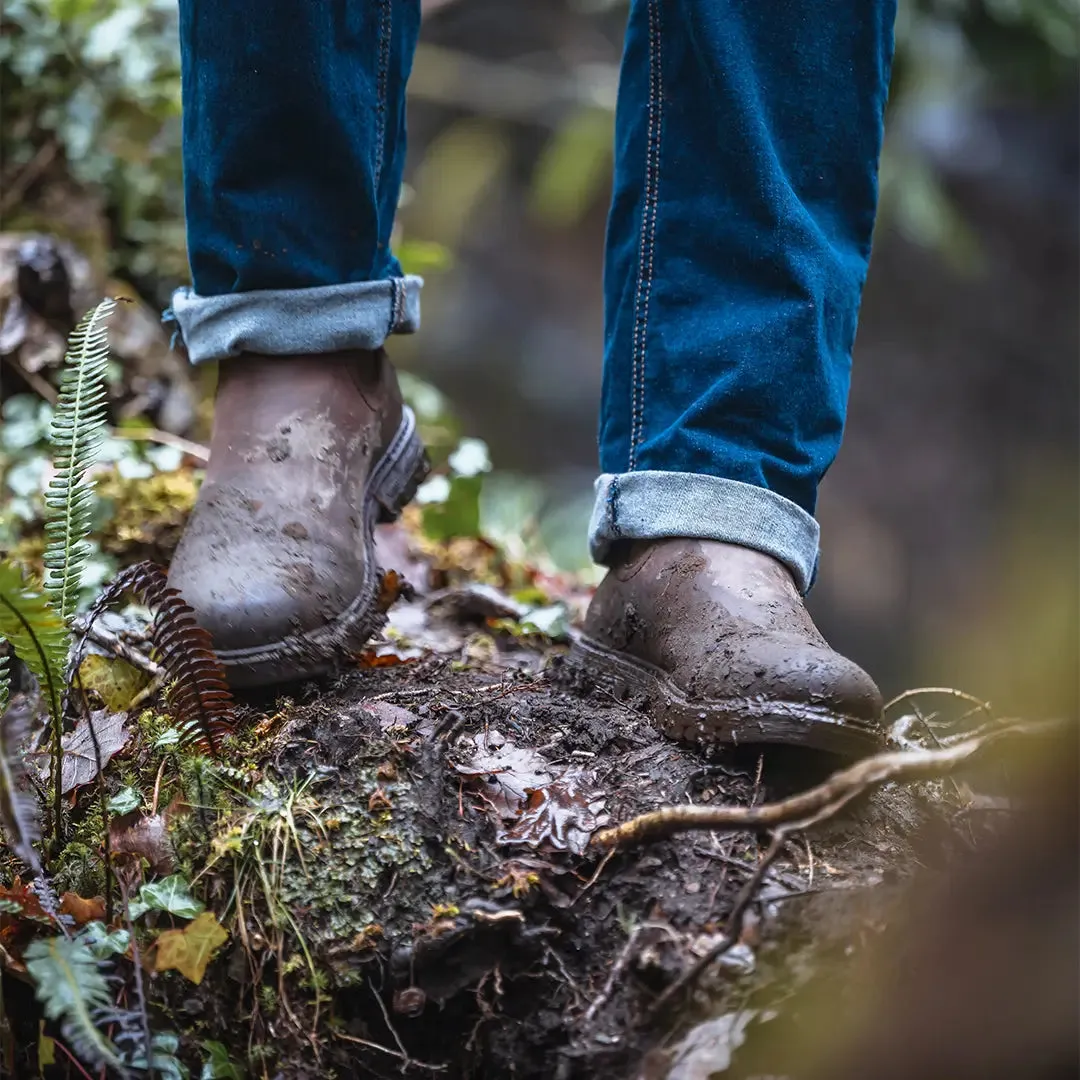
[459, 926]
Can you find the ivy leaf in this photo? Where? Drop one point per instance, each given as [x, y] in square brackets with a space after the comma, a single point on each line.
[104, 943]
[124, 801]
[171, 894]
[218, 1065]
[189, 950]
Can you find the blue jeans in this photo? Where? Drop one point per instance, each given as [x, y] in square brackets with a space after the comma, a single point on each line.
[747, 139]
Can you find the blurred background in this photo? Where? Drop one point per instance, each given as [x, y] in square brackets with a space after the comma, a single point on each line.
[950, 522]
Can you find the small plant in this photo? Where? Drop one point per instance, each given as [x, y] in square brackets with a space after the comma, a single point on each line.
[75, 981]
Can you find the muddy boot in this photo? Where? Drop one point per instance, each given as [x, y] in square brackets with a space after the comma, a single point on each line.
[718, 641]
[277, 560]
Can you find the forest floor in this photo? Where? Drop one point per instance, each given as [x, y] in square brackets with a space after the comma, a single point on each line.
[403, 870]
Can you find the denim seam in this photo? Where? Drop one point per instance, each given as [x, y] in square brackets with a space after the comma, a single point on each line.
[649, 211]
[382, 82]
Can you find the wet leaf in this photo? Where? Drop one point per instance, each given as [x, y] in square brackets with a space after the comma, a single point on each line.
[172, 894]
[82, 911]
[503, 772]
[115, 681]
[144, 835]
[189, 950]
[560, 815]
[46, 1049]
[80, 762]
[18, 808]
[389, 715]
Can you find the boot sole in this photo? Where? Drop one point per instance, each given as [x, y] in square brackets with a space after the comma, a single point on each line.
[390, 488]
[747, 721]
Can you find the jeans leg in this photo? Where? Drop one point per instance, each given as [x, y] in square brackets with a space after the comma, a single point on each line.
[747, 143]
[294, 144]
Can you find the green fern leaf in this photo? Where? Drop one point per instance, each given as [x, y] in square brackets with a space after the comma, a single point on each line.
[72, 988]
[35, 632]
[77, 432]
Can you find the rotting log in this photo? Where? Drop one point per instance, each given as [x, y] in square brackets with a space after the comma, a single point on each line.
[416, 890]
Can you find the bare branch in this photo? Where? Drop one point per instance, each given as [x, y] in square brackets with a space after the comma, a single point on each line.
[834, 793]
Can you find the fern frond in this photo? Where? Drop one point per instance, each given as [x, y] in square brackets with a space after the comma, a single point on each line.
[18, 809]
[199, 698]
[77, 432]
[72, 988]
[35, 631]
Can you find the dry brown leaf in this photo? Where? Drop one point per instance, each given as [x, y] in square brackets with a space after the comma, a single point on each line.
[144, 835]
[82, 911]
[189, 950]
[80, 760]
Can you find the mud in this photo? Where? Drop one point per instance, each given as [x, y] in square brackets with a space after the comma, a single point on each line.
[438, 942]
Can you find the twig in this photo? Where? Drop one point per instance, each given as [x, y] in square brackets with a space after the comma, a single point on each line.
[390, 1026]
[42, 387]
[948, 691]
[41, 160]
[165, 438]
[592, 880]
[837, 791]
[393, 1053]
[118, 647]
[629, 951]
[733, 930]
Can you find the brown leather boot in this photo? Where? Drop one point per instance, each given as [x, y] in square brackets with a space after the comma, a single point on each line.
[277, 559]
[716, 637]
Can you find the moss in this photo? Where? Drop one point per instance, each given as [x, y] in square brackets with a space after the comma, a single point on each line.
[348, 868]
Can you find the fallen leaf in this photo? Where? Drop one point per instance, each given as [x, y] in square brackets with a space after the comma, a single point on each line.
[189, 950]
[82, 911]
[80, 764]
[115, 681]
[503, 772]
[560, 815]
[144, 835]
[369, 658]
[20, 899]
[392, 588]
[379, 801]
[389, 715]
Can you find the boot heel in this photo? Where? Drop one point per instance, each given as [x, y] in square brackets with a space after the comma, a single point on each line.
[391, 511]
[400, 472]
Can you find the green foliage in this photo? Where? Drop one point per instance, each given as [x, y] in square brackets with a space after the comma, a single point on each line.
[35, 631]
[77, 432]
[97, 82]
[72, 989]
[171, 894]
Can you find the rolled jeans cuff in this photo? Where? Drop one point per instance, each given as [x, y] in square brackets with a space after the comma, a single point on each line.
[283, 322]
[649, 505]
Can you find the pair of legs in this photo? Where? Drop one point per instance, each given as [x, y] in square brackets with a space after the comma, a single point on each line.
[746, 147]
